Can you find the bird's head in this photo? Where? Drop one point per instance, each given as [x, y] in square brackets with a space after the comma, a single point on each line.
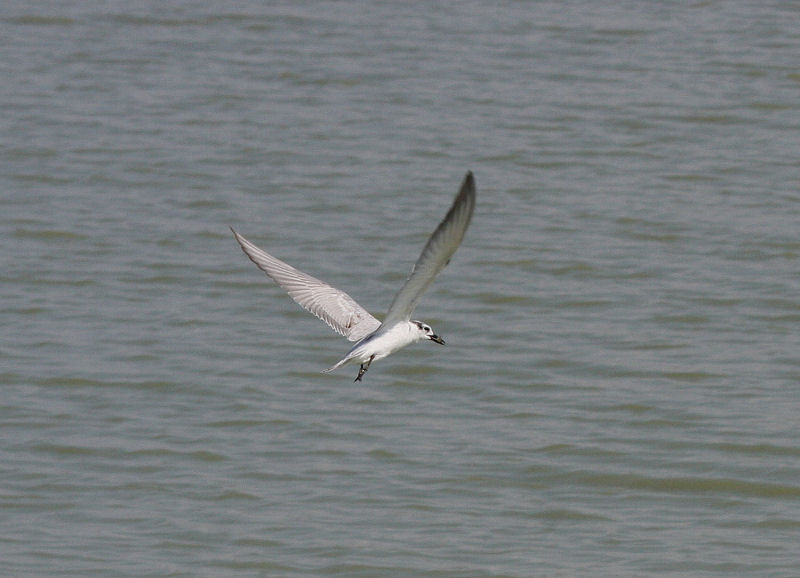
[426, 332]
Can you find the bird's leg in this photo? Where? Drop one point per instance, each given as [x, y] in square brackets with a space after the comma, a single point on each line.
[363, 369]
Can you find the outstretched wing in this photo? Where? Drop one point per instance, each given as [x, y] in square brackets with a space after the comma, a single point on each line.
[436, 255]
[334, 307]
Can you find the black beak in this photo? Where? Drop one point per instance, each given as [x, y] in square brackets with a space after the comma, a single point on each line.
[436, 339]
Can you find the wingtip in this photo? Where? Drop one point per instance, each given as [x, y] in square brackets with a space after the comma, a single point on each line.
[236, 235]
[469, 181]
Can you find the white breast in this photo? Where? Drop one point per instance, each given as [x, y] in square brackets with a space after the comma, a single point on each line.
[386, 343]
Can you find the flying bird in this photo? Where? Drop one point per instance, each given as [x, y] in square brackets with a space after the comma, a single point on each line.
[375, 340]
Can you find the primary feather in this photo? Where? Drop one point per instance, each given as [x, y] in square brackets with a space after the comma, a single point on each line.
[333, 306]
[436, 255]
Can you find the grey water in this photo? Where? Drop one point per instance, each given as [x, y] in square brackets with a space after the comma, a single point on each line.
[620, 392]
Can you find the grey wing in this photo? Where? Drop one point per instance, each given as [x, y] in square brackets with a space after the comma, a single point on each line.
[437, 253]
[334, 307]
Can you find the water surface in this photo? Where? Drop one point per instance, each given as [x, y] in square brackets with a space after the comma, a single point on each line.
[619, 393]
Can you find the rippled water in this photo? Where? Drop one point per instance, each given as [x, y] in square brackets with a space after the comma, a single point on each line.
[619, 394]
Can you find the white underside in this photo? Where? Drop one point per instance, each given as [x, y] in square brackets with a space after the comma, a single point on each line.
[381, 343]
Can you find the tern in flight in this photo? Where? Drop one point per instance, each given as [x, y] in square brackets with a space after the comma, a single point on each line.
[375, 340]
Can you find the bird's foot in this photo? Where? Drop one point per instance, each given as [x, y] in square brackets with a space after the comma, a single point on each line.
[363, 369]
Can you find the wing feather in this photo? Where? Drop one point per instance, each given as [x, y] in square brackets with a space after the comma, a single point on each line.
[436, 255]
[334, 307]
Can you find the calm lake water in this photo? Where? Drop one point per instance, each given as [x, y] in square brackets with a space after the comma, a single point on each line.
[620, 393]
